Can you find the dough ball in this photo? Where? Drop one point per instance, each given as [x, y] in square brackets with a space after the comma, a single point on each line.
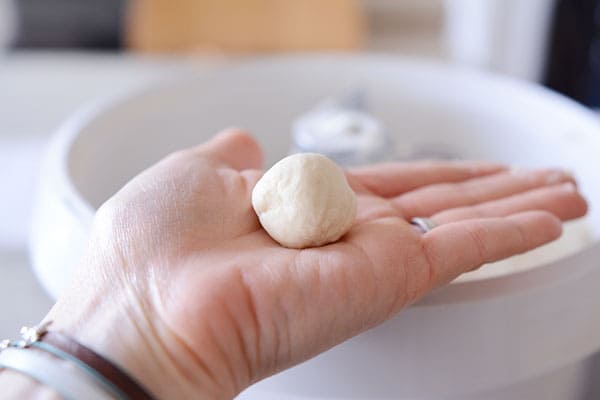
[304, 201]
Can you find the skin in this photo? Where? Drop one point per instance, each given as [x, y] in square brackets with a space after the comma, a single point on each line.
[183, 288]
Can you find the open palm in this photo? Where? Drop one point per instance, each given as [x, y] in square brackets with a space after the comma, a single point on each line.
[234, 305]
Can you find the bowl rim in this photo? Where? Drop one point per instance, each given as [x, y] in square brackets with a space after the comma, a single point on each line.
[472, 290]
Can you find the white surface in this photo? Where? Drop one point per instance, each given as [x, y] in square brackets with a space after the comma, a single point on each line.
[22, 299]
[577, 381]
[19, 164]
[470, 337]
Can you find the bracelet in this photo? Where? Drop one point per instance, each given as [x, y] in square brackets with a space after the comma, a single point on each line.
[112, 373]
[109, 376]
[67, 381]
[107, 385]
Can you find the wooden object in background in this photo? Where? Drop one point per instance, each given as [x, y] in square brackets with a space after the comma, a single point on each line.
[244, 25]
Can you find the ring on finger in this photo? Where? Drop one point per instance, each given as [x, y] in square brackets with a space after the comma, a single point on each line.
[424, 224]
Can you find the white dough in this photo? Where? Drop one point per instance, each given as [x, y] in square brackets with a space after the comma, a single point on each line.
[304, 201]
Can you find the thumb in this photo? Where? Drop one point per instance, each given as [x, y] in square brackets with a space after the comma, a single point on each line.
[234, 147]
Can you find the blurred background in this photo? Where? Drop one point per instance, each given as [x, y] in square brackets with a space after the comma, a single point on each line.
[56, 55]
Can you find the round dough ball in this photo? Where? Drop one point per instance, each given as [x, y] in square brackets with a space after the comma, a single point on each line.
[304, 201]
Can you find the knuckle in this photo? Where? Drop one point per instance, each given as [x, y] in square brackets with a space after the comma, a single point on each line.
[107, 211]
[467, 192]
[180, 155]
[432, 264]
[477, 237]
[410, 206]
[110, 214]
[476, 211]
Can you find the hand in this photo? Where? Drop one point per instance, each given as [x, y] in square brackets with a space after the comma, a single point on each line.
[184, 288]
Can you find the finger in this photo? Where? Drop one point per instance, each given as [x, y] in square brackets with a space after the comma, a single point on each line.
[234, 147]
[432, 199]
[561, 200]
[392, 179]
[251, 177]
[370, 207]
[459, 247]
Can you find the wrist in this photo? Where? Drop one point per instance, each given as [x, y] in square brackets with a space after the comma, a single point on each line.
[132, 337]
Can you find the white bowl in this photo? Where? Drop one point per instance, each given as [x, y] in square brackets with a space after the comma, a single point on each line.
[480, 335]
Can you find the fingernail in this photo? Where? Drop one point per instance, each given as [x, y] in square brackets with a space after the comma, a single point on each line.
[515, 168]
[518, 170]
[492, 165]
[557, 177]
[568, 187]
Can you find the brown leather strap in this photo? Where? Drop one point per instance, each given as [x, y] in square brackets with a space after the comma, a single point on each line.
[108, 370]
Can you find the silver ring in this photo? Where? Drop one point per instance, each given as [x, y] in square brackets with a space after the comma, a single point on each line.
[424, 224]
